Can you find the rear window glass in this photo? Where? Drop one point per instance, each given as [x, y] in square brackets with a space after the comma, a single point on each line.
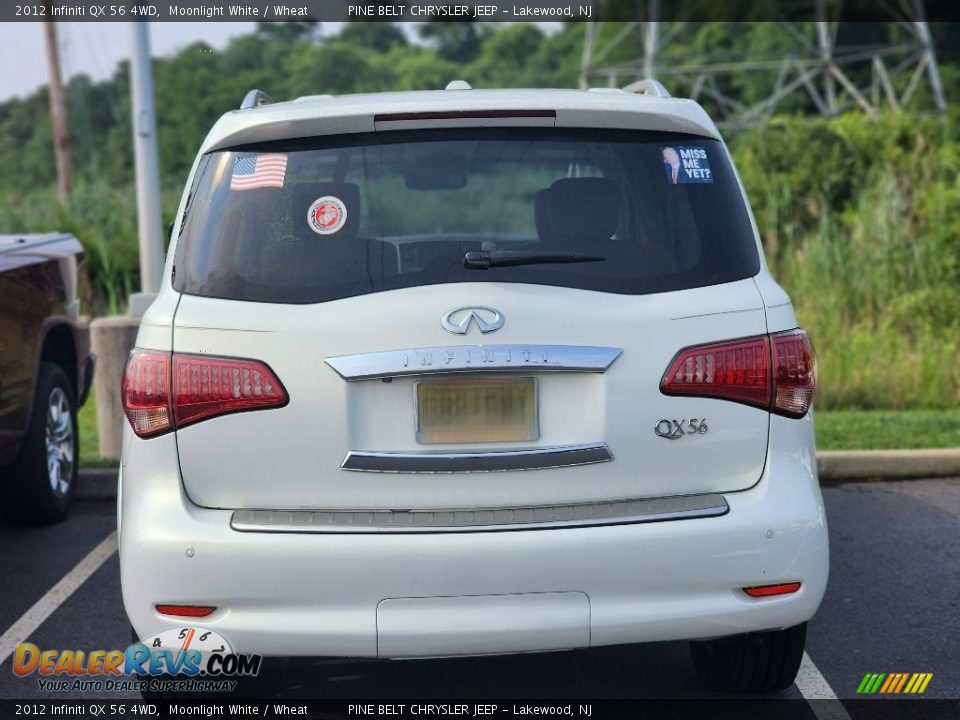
[315, 220]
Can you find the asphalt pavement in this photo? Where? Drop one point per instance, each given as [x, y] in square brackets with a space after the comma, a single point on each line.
[892, 605]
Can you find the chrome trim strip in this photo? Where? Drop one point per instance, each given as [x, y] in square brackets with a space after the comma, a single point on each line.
[474, 358]
[463, 461]
[619, 512]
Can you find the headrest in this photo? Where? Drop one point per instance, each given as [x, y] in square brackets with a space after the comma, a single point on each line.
[541, 215]
[577, 210]
[326, 210]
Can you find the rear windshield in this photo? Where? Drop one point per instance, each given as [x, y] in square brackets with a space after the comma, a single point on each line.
[314, 220]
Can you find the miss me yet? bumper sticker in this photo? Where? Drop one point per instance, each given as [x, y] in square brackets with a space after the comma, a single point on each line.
[686, 164]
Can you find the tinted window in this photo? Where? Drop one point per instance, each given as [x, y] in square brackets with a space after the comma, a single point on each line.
[315, 220]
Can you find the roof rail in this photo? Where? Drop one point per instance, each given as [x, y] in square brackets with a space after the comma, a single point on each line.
[647, 87]
[254, 99]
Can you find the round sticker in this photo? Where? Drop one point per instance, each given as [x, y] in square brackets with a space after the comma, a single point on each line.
[206, 642]
[327, 215]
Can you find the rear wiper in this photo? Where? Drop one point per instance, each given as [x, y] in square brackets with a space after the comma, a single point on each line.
[503, 258]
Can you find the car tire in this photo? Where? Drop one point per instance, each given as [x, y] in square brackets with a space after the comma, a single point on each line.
[755, 663]
[40, 486]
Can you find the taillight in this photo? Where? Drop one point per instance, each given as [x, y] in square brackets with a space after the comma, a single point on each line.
[145, 391]
[202, 387]
[206, 386]
[795, 373]
[738, 370]
[775, 372]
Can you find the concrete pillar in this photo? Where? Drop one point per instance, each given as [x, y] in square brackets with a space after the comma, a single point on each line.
[83, 330]
[111, 338]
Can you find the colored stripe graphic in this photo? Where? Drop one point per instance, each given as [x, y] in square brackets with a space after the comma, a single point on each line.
[871, 683]
[918, 683]
[894, 683]
[903, 679]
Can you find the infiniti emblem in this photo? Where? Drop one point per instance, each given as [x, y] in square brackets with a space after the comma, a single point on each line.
[458, 321]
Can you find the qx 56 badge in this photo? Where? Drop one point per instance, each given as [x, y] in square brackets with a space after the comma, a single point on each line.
[676, 429]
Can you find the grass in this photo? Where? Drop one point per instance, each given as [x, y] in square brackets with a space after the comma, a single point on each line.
[882, 307]
[89, 451]
[864, 234]
[887, 429]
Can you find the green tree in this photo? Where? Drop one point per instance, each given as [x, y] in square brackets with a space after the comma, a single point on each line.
[287, 31]
[458, 41]
[333, 68]
[414, 68]
[378, 37]
[507, 57]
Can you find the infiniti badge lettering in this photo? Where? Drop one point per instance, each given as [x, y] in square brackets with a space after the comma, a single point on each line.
[465, 358]
[458, 321]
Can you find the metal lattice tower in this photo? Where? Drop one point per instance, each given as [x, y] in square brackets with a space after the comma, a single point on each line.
[834, 77]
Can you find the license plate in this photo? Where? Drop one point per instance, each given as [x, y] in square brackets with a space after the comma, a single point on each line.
[477, 410]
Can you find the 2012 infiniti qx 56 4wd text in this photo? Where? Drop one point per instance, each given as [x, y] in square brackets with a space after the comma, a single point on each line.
[467, 372]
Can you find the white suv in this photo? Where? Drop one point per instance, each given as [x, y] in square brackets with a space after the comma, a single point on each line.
[468, 372]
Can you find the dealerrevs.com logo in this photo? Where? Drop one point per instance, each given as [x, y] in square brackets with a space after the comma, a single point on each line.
[188, 659]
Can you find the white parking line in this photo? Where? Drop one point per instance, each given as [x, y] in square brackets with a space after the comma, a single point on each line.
[44, 607]
[817, 692]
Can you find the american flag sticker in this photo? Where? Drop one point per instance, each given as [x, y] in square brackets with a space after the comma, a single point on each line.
[258, 171]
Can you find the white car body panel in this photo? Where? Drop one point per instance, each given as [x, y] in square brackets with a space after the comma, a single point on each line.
[780, 315]
[317, 594]
[482, 624]
[369, 595]
[232, 462]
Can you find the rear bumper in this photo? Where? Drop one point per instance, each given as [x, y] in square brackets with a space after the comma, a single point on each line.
[369, 595]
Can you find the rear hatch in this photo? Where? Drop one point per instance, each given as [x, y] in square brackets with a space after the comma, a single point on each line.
[591, 260]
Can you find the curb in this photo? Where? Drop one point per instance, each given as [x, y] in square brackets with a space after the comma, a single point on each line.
[832, 466]
[838, 465]
[97, 484]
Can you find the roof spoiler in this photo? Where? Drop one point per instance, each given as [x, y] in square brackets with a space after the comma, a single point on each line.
[254, 99]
